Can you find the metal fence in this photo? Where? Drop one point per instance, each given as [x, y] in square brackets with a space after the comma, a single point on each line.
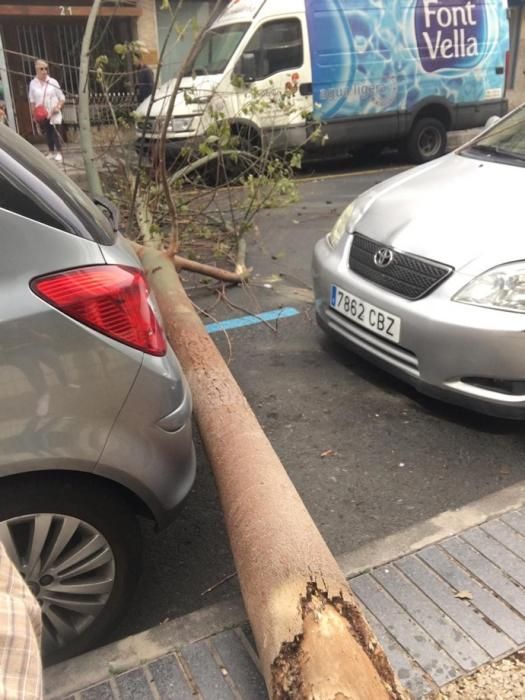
[100, 108]
[60, 45]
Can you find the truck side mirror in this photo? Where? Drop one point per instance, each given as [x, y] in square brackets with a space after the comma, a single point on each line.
[494, 119]
[247, 67]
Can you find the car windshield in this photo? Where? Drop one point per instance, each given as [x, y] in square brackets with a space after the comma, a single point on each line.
[505, 140]
[217, 49]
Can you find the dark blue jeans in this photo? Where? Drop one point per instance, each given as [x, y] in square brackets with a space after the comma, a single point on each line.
[52, 136]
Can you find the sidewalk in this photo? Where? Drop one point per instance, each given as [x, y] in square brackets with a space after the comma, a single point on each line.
[444, 597]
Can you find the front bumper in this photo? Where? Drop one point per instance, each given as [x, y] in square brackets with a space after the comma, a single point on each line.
[174, 145]
[447, 350]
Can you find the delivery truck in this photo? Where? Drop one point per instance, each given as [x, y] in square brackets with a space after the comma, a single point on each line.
[369, 72]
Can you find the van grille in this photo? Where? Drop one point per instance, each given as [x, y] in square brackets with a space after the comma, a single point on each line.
[407, 275]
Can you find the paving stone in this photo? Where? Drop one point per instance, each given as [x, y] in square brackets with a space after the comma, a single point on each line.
[169, 679]
[484, 600]
[134, 685]
[487, 572]
[424, 650]
[240, 666]
[516, 520]
[508, 537]
[462, 612]
[206, 673]
[431, 618]
[497, 553]
[102, 691]
[410, 675]
[247, 631]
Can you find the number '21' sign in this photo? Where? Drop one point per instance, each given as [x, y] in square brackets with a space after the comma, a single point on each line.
[64, 10]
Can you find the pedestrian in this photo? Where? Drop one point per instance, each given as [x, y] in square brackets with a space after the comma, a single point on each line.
[20, 636]
[47, 99]
[144, 78]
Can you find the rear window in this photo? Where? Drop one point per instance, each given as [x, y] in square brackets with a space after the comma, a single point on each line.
[13, 198]
[29, 181]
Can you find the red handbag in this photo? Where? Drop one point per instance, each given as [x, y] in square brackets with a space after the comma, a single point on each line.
[41, 114]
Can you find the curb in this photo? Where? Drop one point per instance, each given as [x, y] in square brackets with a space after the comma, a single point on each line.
[96, 666]
[455, 139]
[430, 531]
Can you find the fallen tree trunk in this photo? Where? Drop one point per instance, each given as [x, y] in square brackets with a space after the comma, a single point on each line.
[312, 639]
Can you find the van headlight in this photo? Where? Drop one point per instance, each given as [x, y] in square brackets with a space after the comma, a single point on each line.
[347, 222]
[180, 123]
[503, 288]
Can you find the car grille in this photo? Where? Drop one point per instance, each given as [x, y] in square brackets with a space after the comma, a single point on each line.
[390, 353]
[409, 276]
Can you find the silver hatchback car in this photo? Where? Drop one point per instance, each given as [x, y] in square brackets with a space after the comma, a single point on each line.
[425, 274]
[95, 413]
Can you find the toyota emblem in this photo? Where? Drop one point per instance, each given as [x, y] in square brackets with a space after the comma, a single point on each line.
[384, 257]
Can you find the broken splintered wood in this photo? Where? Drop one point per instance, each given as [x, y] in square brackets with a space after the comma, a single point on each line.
[334, 658]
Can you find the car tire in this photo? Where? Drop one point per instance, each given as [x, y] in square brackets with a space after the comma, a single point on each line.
[427, 140]
[85, 541]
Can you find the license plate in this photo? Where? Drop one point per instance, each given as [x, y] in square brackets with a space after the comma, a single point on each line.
[367, 315]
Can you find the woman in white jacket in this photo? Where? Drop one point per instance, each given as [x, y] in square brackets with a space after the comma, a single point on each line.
[45, 92]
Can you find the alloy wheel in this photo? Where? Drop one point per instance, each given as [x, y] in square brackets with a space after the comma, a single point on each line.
[68, 565]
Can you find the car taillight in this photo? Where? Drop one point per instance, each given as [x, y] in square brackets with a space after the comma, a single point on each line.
[112, 299]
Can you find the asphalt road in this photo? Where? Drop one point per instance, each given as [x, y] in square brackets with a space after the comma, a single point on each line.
[392, 457]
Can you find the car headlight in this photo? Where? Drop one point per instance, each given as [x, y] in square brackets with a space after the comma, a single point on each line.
[180, 124]
[347, 222]
[502, 287]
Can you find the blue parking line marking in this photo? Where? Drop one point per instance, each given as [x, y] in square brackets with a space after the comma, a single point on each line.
[231, 323]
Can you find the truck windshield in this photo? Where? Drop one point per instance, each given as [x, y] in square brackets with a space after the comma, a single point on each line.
[218, 46]
[506, 139]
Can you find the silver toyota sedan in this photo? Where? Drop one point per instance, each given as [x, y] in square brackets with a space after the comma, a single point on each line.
[424, 274]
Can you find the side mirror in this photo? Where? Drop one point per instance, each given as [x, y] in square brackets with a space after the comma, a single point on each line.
[491, 121]
[247, 67]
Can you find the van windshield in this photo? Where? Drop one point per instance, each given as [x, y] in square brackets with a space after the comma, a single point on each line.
[219, 44]
[506, 140]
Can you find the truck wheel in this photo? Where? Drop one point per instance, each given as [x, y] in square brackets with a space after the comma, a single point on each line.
[427, 140]
[77, 546]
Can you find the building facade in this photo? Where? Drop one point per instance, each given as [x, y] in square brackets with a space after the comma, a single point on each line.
[516, 63]
[31, 30]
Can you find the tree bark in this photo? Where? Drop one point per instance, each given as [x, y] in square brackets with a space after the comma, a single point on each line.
[84, 123]
[312, 638]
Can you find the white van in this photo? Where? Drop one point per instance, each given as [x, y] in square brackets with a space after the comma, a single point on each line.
[370, 71]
